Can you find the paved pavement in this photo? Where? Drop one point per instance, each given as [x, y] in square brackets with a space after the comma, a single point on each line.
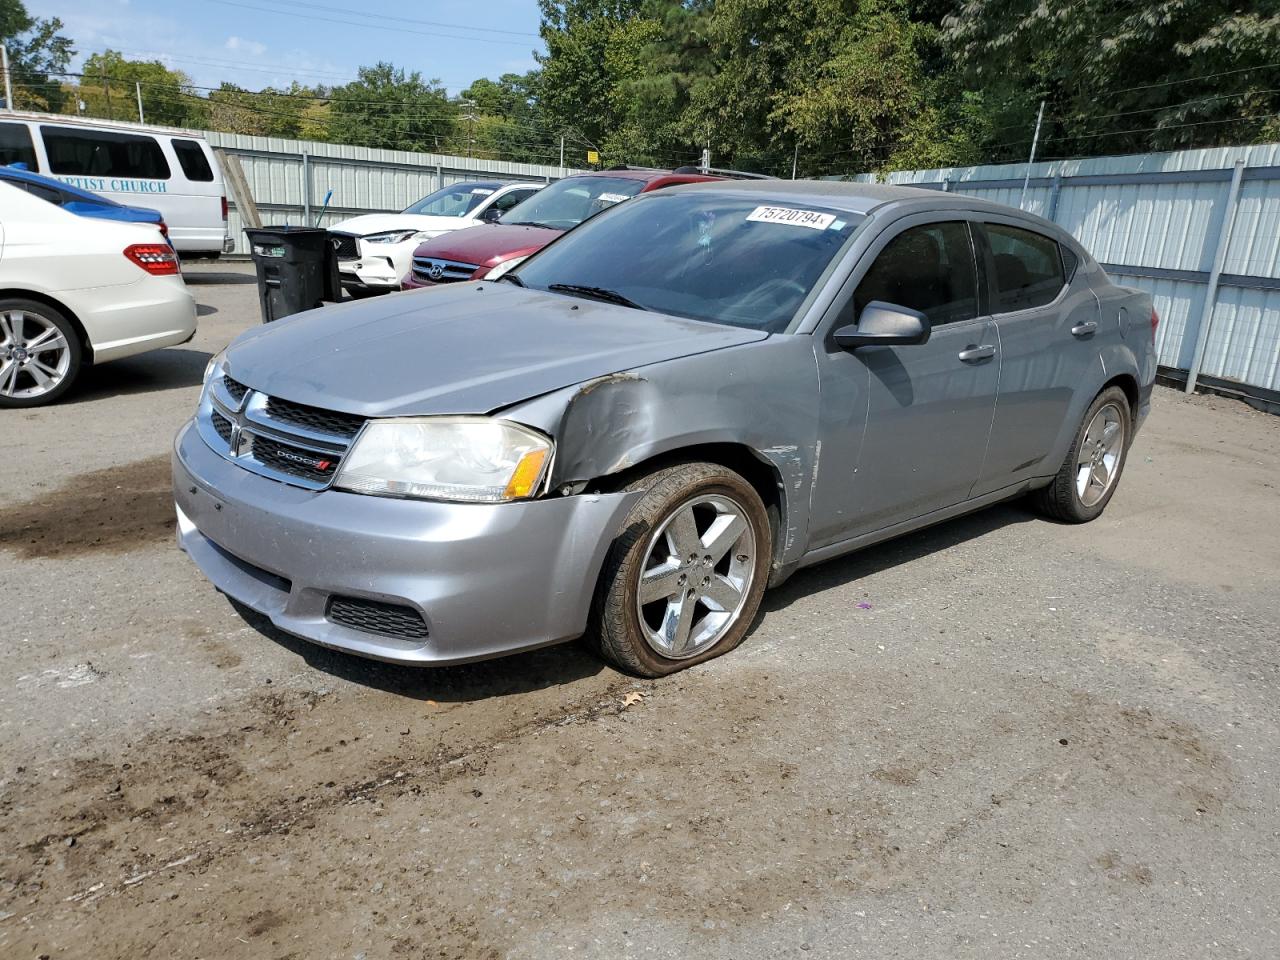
[1040, 741]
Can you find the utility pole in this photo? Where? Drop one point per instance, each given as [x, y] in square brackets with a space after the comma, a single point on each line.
[106, 88]
[706, 158]
[562, 156]
[794, 157]
[471, 121]
[1035, 139]
[137, 87]
[8, 84]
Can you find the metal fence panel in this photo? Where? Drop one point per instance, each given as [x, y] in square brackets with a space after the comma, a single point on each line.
[1156, 221]
[290, 178]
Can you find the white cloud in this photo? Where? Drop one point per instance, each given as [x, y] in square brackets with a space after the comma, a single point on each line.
[252, 47]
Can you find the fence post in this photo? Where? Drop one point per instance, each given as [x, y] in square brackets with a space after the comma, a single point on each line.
[1219, 259]
[306, 188]
[1052, 213]
[439, 176]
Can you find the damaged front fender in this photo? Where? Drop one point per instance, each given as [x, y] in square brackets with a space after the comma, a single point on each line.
[614, 423]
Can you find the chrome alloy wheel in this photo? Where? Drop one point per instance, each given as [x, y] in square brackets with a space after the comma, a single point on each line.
[1099, 458]
[697, 574]
[34, 355]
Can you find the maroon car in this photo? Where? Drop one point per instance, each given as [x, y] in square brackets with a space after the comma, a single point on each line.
[526, 228]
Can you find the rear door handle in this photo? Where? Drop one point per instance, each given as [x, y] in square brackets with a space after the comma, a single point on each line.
[1086, 329]
[973, 354]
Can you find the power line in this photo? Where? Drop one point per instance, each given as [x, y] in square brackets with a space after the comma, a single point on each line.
[435, 34]
[307, 5]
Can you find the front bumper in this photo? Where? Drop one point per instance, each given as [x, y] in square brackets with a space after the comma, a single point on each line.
[487, 579]
[380, 266]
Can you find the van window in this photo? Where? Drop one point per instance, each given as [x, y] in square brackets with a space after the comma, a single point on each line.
[194, 164]
[16, 146]
[104, 153]
[1029, 270]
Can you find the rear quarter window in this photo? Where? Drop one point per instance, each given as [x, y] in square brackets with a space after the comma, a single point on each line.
[104, 153]
[1028, 268]
[195, 165]
[16, 145]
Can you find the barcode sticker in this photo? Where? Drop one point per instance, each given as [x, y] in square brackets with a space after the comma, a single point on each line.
[480, 192]
[612, 197]
[791, 217]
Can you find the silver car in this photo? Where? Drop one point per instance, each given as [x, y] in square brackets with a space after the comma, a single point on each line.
[677, 404]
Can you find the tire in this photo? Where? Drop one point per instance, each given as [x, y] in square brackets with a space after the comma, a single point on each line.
[32, 377]
[631, 635]
[1071, 497]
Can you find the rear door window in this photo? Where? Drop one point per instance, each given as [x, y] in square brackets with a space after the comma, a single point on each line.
[930, 268]
[56, 197]
[16, 145]
[509, 200]
[104, 153]
[195, 165]
[1028, 268]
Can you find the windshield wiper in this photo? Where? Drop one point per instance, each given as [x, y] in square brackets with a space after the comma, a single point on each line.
[528, 223]
[510, 278]
[596, 293]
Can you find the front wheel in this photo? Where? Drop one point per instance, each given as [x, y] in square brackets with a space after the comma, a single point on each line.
[1088, 477]
[683, 581]
[39, 353]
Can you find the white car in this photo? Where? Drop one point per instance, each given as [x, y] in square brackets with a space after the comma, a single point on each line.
[376, 250]
[76, 291]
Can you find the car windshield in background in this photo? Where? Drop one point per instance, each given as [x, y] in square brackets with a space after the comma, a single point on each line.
[564, 205]
[725, 259]
[456, 200]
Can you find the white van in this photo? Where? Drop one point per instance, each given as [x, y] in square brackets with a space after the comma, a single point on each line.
[173, 171]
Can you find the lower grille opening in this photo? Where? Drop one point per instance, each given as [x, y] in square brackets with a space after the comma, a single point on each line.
[374, 616]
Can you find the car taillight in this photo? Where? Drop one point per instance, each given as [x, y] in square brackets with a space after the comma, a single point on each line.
[224, 206]
[158, 259]
[1155, 322]
[164, 228]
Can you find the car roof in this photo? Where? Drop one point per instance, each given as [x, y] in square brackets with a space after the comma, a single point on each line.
[848, 196]
[28, 176]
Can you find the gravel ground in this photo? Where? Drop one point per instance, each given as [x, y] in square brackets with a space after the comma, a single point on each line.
[1039, 741]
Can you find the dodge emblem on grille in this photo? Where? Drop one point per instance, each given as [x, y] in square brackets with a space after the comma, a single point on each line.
[315, 463]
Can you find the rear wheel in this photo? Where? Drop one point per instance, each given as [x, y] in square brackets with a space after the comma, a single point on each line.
[39, 353]
[683, 581]
[1088, 477]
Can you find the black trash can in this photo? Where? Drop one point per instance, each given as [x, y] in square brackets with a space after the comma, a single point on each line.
[297, 269]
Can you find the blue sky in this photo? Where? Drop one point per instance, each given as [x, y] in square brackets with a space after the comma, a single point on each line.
[256, 43]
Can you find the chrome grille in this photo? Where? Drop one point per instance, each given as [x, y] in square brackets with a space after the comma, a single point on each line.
[345, 246]
[435, 270]
[273, 437]
[313, 418]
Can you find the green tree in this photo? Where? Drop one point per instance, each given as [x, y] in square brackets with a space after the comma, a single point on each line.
[510, 124]
[264, 113]
[110, 83]
[390, 109]
[37, 54]
[1152, 74]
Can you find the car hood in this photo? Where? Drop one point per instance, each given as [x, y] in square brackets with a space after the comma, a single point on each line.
[379, 222]
[466, 348]
[488, 243]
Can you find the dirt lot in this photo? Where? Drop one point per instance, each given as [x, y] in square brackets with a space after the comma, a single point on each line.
[1039, 741]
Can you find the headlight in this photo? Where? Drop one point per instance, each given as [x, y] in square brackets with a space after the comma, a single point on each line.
[392, 236]
[214, 363]
[504, 267]
[473, 459]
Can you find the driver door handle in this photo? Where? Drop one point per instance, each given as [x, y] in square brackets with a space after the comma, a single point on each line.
[1086, 329]
[974, 354]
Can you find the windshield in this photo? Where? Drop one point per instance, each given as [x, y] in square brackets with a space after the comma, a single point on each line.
[740, 261]
[565, 204]
[455, 200]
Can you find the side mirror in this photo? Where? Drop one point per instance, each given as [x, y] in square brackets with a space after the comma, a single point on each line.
[884, 325]
[491, 215]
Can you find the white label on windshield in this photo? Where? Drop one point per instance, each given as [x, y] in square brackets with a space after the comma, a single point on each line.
[481, 192]
[796, 218]
[612, 197]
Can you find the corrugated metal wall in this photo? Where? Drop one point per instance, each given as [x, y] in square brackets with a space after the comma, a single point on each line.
[289, 178]
[1158, 221]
